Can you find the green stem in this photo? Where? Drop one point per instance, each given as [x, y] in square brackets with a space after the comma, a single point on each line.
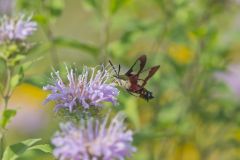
[8, 88]
[6, 95]
[2, 144]
[6, 99]
[48, 31]
[53, 50]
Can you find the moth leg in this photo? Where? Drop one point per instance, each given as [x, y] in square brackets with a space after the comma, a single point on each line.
[131, 93]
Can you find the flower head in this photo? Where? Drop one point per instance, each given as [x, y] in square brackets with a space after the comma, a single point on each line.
[94, 140]
[16, 29]
[231, 78]
[90, 88]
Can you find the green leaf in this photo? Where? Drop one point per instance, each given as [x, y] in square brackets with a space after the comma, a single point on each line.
[12, 49]
[115, 5]
[7, 115]
[15, 80]
[41, 19]
[42, 147]
[26, 65]
[56, 7]
[14, 151]
[16, 60]
[30, 142]
[76, 45]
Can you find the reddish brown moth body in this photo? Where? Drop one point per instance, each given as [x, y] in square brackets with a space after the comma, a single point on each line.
[133, 84]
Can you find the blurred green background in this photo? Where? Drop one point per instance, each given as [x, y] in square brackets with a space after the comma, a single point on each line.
[193, 116]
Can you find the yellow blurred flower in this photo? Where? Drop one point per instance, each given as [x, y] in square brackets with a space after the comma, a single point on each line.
[146, 115]
[27, 95]
[31, 117]
[187, 151]
[181, 54]
[236, 135]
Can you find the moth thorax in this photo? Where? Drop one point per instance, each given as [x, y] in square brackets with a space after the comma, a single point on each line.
[125, 84]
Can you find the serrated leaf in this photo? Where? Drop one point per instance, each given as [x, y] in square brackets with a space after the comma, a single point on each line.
[7, 115]
[12, 152]
[76, 45]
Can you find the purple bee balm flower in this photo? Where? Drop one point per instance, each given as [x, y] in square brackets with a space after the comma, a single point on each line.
[16, 29]
[231, 77]
[94, 140]
[90, 88]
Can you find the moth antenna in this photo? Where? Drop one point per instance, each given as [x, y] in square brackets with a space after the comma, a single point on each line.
[113, 67]
[117, 73]
[119, 67]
